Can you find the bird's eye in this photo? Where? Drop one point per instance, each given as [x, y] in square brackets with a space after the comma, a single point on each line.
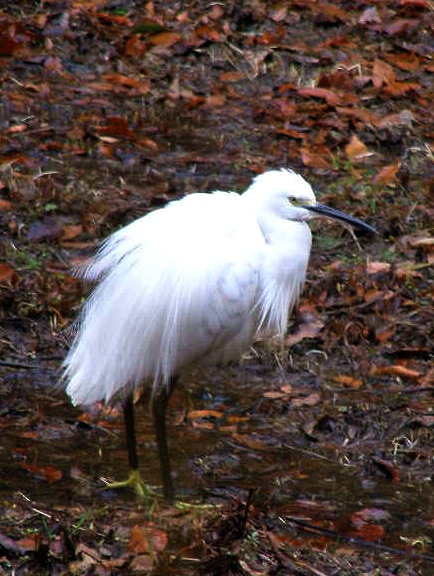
[293, 200]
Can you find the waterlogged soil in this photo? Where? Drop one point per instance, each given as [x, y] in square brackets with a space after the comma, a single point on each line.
[314, 458]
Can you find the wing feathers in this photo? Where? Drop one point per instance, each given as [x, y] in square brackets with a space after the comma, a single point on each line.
[175, 287]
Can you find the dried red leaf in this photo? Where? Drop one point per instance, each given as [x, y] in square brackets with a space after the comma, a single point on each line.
[395, 370]
[426, 242]
[52, 474]
[340, 79]
[9, 46]
[369, 532]
[147, 539]
[142, 86]
[5, 205]
[249, 441]
[15, 158]
[145, 141]
[33, 434]
[274, 394]
[17, 129]
[373, 295]
[232, 76]
[382, 73]
[401, 88]
[309, 329]
[8, 275]
[408, 61]
[349, 381]
[387, 174]
[208, 33]
[114, 19]
[165, 39]
[328, 12]
[270, 38]
[328, 95]
[355, 149]
[311, 400]
[376, 267]
[134, 46]
[388, 468]
[361, 114]
[385, 333]
[291, 133]
[401, 27]
[424, 4]
[28, 544]
[286, 388]
[118, 127]
[71, 231]
[48, 473]
[314, 160]
[215, 100]
[15, 37]
[53, 64]
[196, 414]
[286, 108]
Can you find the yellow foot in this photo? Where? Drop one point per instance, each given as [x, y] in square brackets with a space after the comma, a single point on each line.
[135, 482]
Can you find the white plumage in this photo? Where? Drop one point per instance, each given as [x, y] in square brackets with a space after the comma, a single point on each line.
[193, 282]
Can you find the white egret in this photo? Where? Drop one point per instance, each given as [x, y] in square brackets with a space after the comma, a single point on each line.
[192, 283]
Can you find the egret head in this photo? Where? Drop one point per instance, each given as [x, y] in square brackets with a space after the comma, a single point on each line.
[287, 195]
[282, 193]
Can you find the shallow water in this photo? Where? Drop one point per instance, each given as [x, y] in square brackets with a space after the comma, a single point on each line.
[238, 443]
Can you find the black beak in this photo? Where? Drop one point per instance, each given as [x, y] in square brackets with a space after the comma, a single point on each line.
[338, 215]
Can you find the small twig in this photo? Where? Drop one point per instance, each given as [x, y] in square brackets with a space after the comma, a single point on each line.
[314, 455]
[45, 174]
[36, 510]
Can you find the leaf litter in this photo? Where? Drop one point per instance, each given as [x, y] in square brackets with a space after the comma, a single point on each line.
[312, 460]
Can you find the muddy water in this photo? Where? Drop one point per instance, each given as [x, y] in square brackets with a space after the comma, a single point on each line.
[246, 448]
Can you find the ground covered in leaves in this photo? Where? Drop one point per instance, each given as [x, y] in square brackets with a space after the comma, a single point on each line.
[313, 460]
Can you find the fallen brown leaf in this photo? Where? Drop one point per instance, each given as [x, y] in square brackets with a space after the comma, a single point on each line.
[165, 39]
[376, 267]
[7, 274]
[385, 333]
[387, 174]
[310, 400]
[382, 73]
[305, 330]
[388, 468]
[147, 539]
[5, 205]
[395, 370]
[355, 148]
[314, 160]
[328, 95]
[348, 381]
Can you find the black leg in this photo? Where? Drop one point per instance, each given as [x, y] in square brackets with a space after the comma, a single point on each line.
[130, 431]
[159, 406]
